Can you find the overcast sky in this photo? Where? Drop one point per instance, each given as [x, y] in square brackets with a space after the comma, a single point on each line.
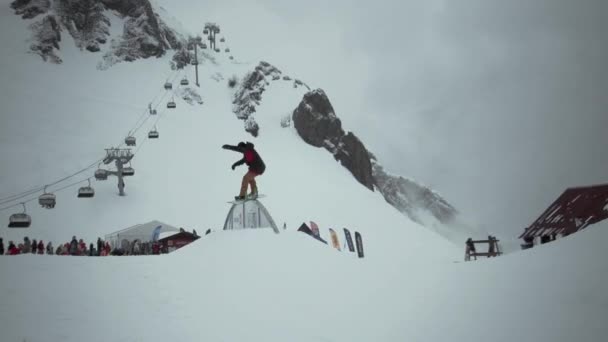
[497, 105]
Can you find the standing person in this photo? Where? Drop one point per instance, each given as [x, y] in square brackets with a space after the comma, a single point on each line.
[256, 168]
[49, 248]
[99, 245]
[40, 247]
[12, 249]
[27, 244]
[34, 246]
[1, 246]
[470, 249]
[73, 248]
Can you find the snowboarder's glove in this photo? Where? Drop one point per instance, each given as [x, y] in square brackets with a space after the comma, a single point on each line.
[225, 146]
[233, 167]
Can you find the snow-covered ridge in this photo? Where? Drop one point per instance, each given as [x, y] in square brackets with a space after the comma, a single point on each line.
[408, 196]
[317, 123]
[248, 95]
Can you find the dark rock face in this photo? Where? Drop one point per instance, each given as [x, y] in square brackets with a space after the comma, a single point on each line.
[249, 94]
[29, 9]
[85, 21]
[410, 197]
[47, 35]
[318, 125]
[144, 34]
[315, 120]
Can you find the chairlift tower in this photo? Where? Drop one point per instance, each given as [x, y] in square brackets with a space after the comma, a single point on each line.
[212, 29]
[120, 157]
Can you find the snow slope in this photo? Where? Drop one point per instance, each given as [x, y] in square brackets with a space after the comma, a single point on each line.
[243, 285]
[259, 286]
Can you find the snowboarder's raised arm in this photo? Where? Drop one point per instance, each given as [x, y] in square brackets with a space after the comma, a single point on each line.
[233, 148]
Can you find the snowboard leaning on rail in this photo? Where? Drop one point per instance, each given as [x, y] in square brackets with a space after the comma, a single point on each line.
[247, 199]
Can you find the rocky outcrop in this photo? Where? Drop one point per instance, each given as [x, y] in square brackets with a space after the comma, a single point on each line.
[249, 94]
[144, 33]
[46, 37]
[410, 197]
[318, 125]
[85, 21]
[29, 9]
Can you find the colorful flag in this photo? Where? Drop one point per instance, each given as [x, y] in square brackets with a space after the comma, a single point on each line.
[334, 239]
[349, 240]
[359, 242]
[314, 228]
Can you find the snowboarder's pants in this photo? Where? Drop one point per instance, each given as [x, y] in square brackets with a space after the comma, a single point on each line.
[249, 180]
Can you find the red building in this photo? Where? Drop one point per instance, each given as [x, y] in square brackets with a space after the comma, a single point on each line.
[177, 241]
[574, 210]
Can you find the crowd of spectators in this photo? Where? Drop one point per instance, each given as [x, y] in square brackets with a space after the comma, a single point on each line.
[78, 247]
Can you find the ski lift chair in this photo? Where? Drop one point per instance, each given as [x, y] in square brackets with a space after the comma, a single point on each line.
[86, 191]
[101, 174]
[222, 40]
[171, 104]
[227, 50]
[128, 171]
[168, 86]
[20, 220]
[47, 200]
[153, 134]
[130, 141]
[184, 82]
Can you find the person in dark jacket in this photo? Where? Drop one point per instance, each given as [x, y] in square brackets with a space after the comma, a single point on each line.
[1, 246]
[99, 245]
[34, 246]
[256, 167]
[73, 247]
[40, 247]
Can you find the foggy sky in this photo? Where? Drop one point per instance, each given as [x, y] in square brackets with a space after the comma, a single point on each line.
[497, 105]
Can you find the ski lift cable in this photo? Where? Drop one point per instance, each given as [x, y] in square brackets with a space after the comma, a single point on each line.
[18, 196]
[145, 114]
[40, 188]
[133, 131]
[36, 197]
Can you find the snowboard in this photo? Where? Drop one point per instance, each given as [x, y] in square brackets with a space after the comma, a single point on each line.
[246, 199]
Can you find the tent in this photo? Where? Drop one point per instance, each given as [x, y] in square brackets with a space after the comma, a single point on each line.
[249, 214]
[143, 232]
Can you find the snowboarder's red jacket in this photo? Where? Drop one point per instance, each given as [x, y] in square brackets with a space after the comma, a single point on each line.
[250, 157]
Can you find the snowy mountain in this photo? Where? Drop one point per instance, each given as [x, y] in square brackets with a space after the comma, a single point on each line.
[58, 119]
[145, 34]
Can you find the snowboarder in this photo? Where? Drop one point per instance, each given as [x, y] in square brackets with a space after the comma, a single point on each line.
[256, 168]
